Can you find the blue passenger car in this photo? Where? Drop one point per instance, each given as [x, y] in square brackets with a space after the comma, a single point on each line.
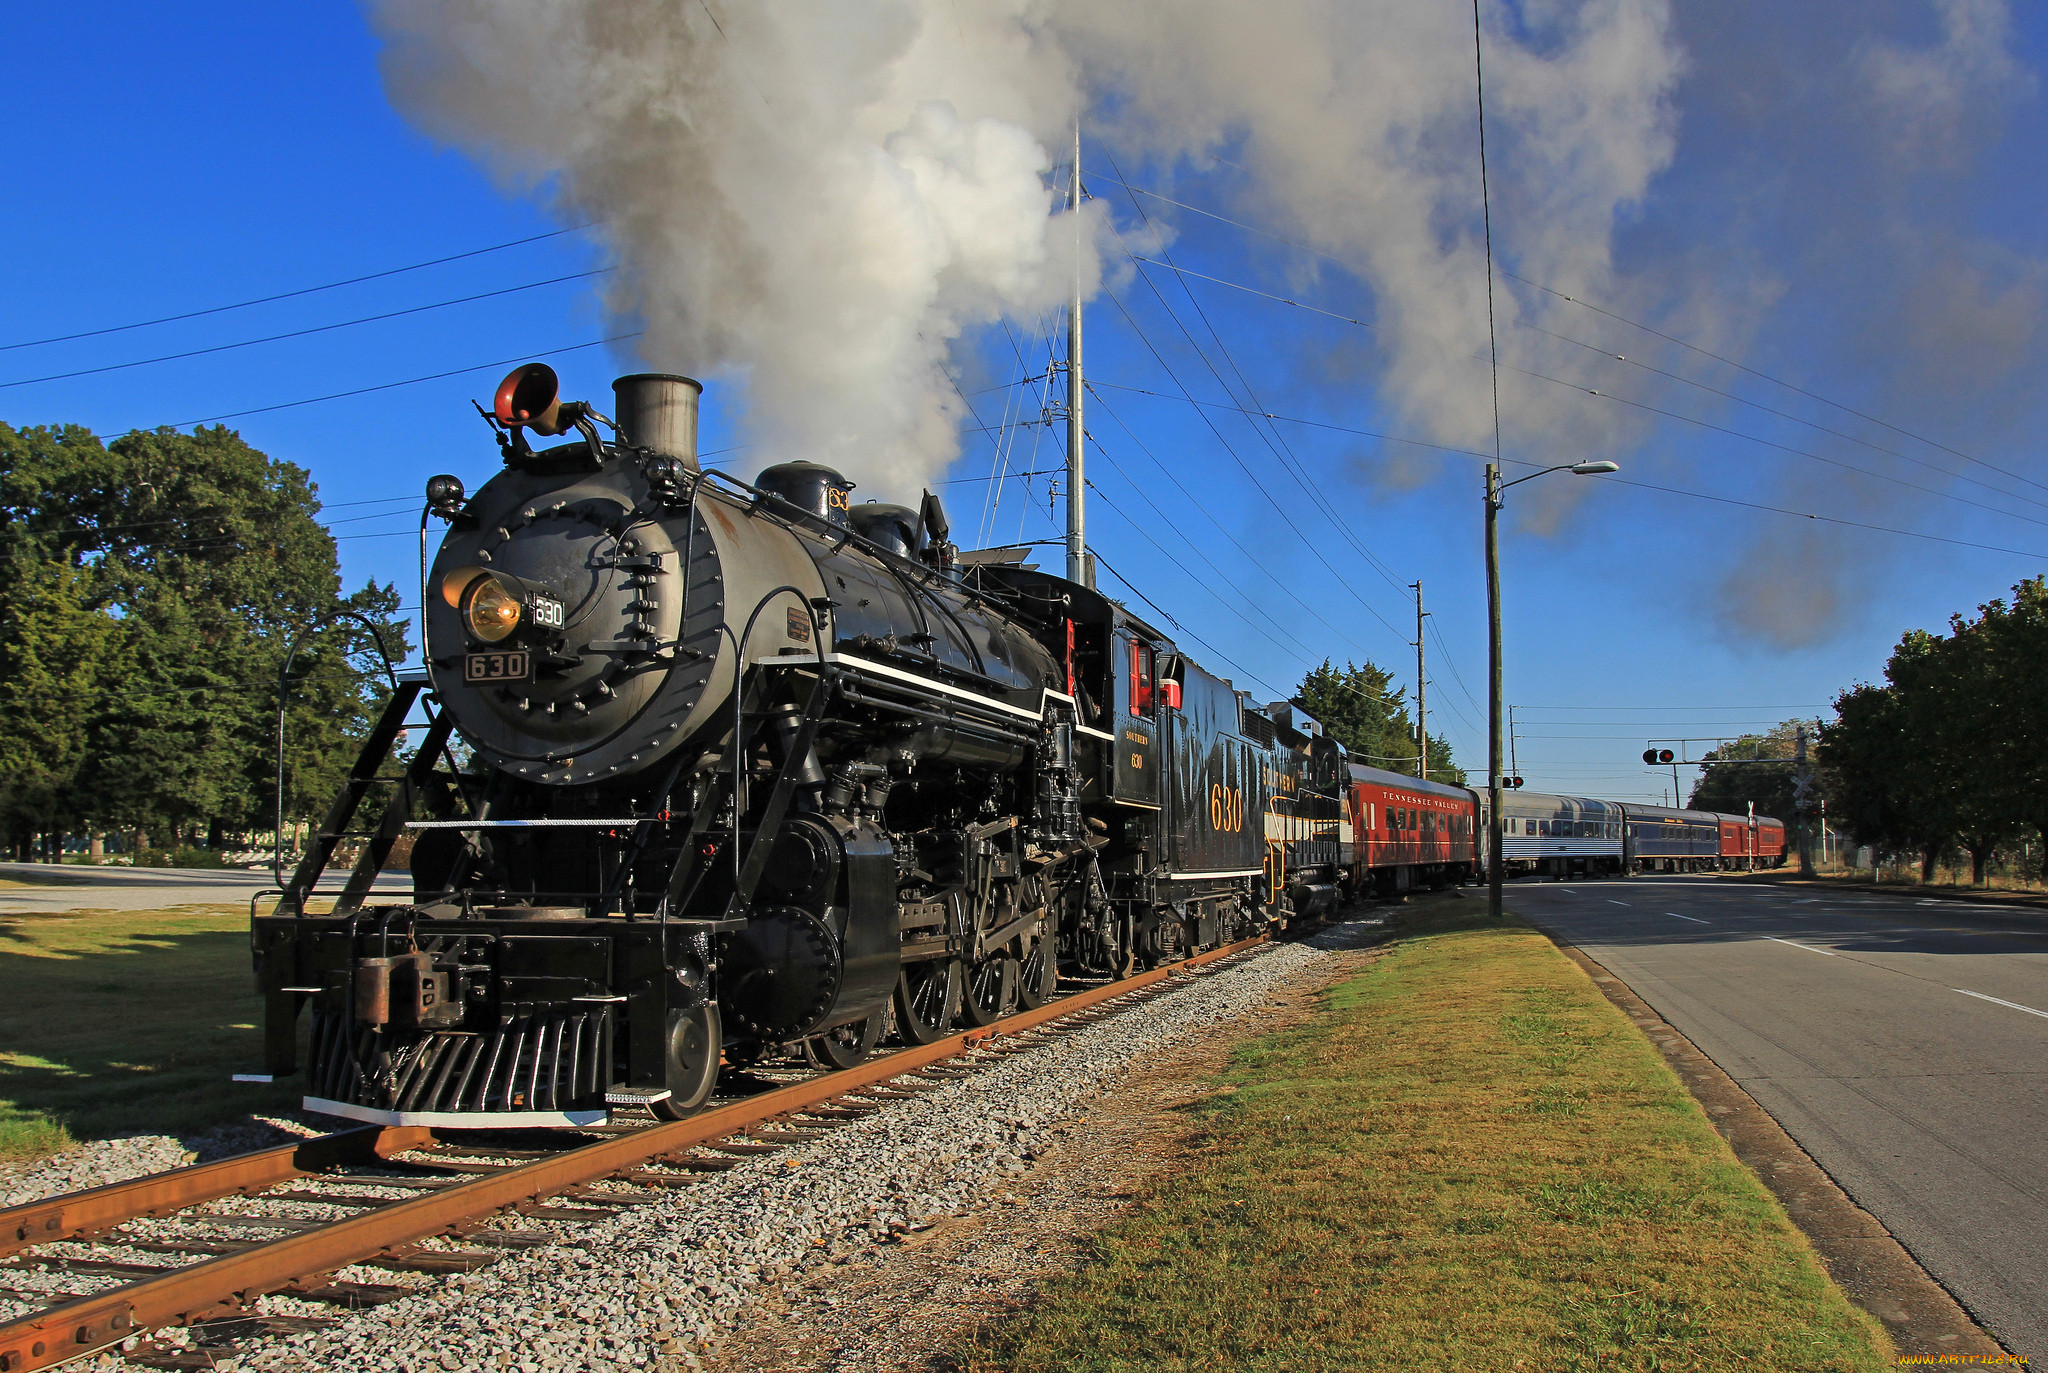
[1661, 839]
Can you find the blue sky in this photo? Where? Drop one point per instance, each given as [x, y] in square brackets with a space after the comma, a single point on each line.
[166, 161]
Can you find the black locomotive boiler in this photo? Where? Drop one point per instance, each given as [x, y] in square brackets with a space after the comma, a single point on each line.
[718, 770]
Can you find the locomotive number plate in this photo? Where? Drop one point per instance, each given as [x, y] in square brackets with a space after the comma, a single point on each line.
[514, 665]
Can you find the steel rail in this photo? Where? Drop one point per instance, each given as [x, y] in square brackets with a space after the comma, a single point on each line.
[83, 1213]
[88, 1324]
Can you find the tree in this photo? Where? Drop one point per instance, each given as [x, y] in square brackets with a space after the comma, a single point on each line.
[1362, 710]
[55, 652]
[187, 562]
[1729, 783]
[1910, 757]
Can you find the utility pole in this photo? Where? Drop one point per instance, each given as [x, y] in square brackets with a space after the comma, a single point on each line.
[1495, 867]
[1421, 694]
[1077, 434]
[1802, 805]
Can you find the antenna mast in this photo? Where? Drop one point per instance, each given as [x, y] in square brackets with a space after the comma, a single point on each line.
[1078, 561]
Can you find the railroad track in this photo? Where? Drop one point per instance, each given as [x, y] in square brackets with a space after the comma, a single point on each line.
[422, 1201]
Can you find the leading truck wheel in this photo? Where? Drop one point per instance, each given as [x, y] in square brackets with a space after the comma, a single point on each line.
[693, 1041]
[847, 1045]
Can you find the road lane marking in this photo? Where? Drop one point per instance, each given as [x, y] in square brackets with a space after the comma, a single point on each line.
[1830, 953]
[1612, 902]
[1695, 919]
[1999, 1000]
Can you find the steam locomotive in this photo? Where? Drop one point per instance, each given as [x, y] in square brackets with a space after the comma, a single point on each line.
[716, 771]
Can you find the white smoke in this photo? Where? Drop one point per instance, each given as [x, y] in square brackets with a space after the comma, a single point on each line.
[820, 199]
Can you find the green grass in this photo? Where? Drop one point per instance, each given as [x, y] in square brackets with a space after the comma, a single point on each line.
[117, 1022]
[1466, 1159]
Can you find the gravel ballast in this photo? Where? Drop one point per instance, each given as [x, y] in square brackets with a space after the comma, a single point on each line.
[106, 1161]
[654, 1286]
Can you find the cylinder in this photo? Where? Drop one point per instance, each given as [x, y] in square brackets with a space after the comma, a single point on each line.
[658, 410]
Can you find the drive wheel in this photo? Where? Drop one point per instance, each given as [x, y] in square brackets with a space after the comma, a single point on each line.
[1039, 974]
[991, 990]
[927, 995]
[846, 1045]
[694, 1038]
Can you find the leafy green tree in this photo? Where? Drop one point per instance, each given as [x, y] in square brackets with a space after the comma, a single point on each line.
[56, 653]
[1365, 712]
[195, 560]
[1730, 780]
[1864, 749]
[1910, 757]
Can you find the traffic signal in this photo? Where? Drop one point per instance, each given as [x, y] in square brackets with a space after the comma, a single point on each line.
[1515, 782]
[1659, 755]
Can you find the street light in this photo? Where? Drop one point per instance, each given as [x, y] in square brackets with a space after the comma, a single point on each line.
[1496, 868]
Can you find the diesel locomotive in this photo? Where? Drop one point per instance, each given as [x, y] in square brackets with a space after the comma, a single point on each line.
[717, 770]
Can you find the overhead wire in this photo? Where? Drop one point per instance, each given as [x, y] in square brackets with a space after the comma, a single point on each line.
[1776, 381]
[1251, 559]
[1583, 303]
[1780, 414]
[1784, 448]
[1242, 465]
[1647, 486]
[1686, 419]
[409, 381]
[302, 333]
[291, 295]
[1207, 647]
[1275, 442]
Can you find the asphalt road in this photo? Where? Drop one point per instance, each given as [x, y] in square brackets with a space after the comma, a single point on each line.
[47, 889]
[1902, 1042]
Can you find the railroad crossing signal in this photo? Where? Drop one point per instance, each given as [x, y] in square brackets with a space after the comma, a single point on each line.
[1659, 755]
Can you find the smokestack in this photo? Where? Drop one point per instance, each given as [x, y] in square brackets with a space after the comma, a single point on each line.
[658, 410]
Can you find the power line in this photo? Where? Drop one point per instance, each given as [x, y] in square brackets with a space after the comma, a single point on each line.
[1780, 414]
[1251, 559]
[1210, 648]
[1668, 708]
[1619, 318]
[1291, 419]
[1785, 448]
[409, 381]
[1671, 414]
[1647, 486]
[1775, 381]
[1825, 519]
[301, 333]
[291, 295]
[1283, 451]
[1242, 466]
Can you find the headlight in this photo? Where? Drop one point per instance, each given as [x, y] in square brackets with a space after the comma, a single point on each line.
[491, 610]
[497, 605]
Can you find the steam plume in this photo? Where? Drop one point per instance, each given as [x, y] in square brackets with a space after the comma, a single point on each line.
[821, 199]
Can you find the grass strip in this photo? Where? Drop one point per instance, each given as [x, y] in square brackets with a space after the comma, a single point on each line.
[1467, 1158]
[126, 1022]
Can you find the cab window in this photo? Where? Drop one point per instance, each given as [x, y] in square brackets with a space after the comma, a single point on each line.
[1141, 679]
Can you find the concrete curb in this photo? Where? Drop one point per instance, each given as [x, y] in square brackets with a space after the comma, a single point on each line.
[1874, 1269]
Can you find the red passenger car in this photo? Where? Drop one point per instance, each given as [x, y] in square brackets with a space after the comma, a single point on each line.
[1749, 844]
[1409, 833]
